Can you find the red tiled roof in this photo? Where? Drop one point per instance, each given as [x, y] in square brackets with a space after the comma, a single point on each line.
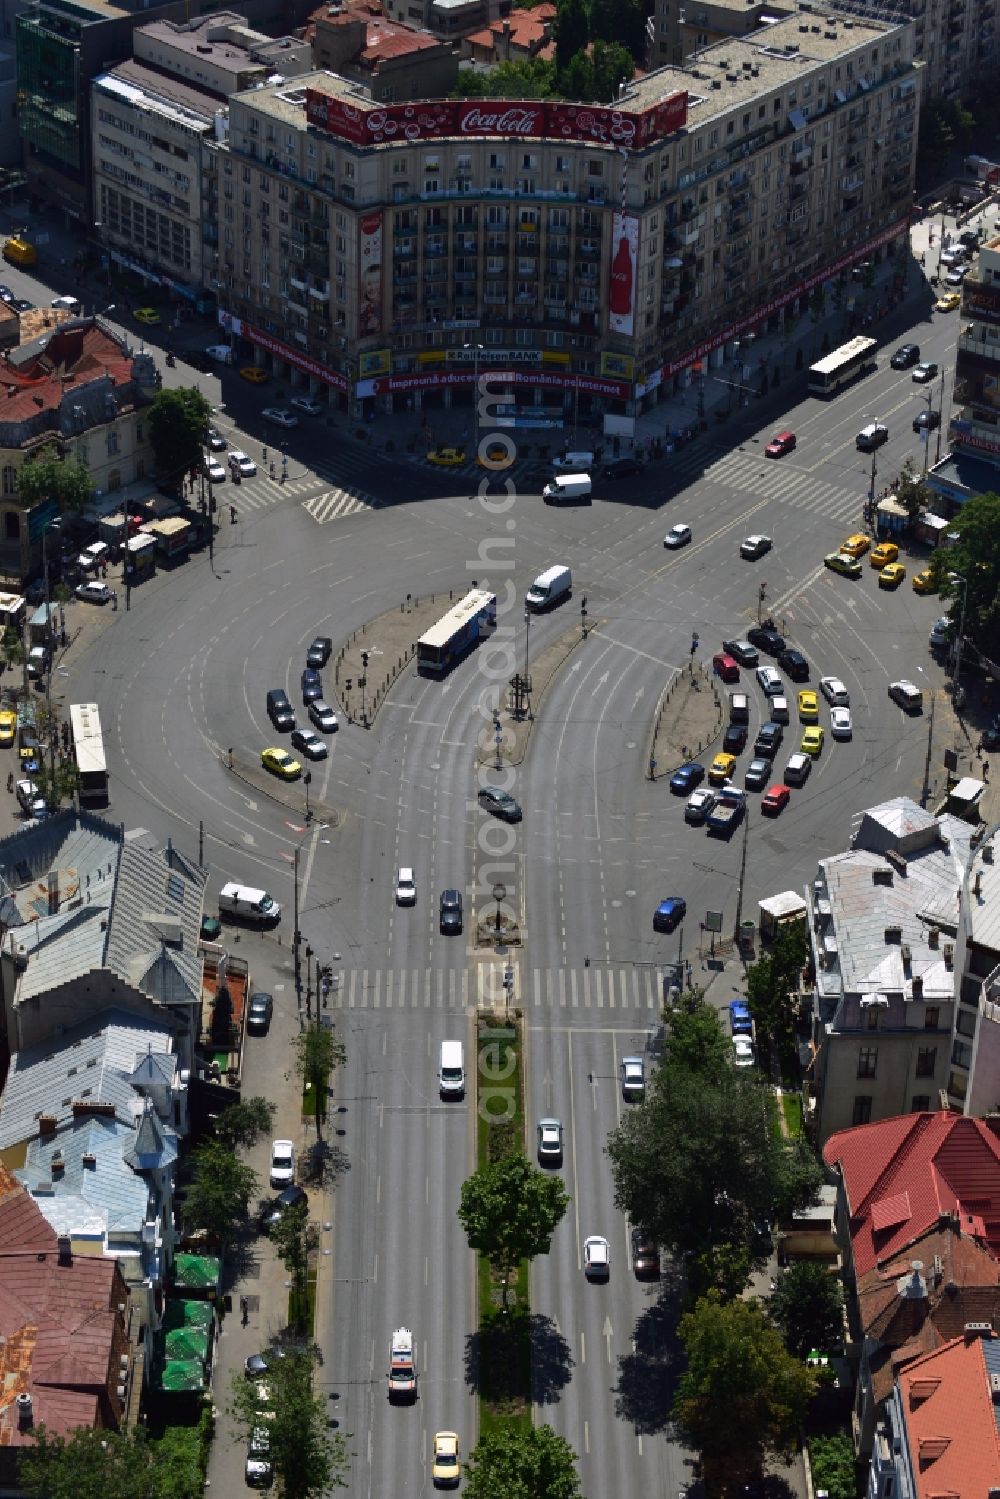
[83, 352]
[950, 1421]
[386, 40]
[939, 1164]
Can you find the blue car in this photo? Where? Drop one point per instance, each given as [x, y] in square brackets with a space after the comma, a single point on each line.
[686, 778]
[669, 914]
[739, 1018]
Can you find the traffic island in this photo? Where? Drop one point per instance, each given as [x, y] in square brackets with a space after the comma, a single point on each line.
[379, 652]
[515, 718]
[689, 717]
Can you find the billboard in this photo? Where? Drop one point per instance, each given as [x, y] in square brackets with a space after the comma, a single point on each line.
[435, 119]
[624, 263]
[369, 274]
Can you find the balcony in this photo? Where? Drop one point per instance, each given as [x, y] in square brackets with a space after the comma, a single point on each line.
[690, 234]
[293, 304]
[299, 282]
[320, 293]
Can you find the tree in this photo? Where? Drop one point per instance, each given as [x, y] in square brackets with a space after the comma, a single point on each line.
[808, 1307]
[306, 1456]
[57, 783]
[317, 1053]
[971, 568]
[572, 29]
[509, 1211]
[911, 490]
[177, 422]
[513, 1463]
[743, 1395]
[622, 21]
[243, 1124]
[220, 1190]
[773, 982]
[834, 1466]
[576, 80]
[13, 646]
[46, 476]
[613, 66]
[294, 1237]
[695, 1041]
[528, 78]
[101, 1464]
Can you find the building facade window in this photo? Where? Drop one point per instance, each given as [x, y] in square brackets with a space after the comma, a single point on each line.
[867, 1061]
[862, 1113]
[932, 1018]
[926, 1058]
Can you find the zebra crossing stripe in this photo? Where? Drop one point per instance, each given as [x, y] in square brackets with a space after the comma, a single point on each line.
[552, 989]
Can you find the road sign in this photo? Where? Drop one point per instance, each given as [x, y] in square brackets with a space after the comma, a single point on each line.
[713, 921]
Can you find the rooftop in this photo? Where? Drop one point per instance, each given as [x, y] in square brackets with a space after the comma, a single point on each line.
[950, 1417]
[206, 37]
[983, 895]
[169, 97]
[78, 362]
[904, 1174]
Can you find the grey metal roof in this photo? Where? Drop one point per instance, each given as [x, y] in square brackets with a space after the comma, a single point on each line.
[983, 895]
[156, 920]
[153, 1147]
[97, 1200]
[95, 1061]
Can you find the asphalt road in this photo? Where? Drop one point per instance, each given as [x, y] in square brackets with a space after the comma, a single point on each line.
[184, 676]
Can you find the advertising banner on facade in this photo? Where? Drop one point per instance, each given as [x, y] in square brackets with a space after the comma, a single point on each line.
[378, 362]
[435, 119]
[624, 262]
[615, 390]
[284, 351]
[369, 274]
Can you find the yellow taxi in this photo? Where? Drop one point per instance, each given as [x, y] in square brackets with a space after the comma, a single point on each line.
[146, 315]
[840, 562]
[721, 769]
[856, 545]
[447, 457]
[498, 455]
[948, 302]
[923, 582]
[892, 576]
[446, 1463]
[808, 707]
[8, 727]
[254, 374]
[281, 764]
[812, 740]
[20, 252]
[885, 552]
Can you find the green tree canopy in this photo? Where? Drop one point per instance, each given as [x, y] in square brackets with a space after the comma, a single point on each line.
[307, 1458]
[743, 1396]
[529, 78]
[834, 1466]
[972, 568]
[773, 982]
[695, 1041]
[103, 1464]
[911, 490]
[622, 21]
[219, 1193]
[244, 1123]
[293, 1237]
[177, 422]
[572, 30]
[808, 1307]
[613, 66]
[46, 476]
[512, 1462]
[317, 1053]
[509, 1211]
[576, 79]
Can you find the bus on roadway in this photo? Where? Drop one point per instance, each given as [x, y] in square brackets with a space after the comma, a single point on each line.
[88, 748]
[834, 371]
[456, 632]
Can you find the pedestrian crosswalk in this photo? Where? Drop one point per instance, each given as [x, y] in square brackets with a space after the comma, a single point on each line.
[472, 474]
[784, 483]
[480, 986]
[334, 504]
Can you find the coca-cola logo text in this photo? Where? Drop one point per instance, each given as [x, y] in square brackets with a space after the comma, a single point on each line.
[510, 121]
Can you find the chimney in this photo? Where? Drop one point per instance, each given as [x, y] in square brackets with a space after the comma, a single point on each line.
[53, 892]
[25, 1419]
[47, 1126]
[949, 955]
[918, 986]
[932, 937]
[65, 1245]
[977, 888]
[58, 1163]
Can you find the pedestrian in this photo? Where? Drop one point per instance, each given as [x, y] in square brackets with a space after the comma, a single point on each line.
[244, 1310]
[10, 780]
[986, 770]
[114, 599]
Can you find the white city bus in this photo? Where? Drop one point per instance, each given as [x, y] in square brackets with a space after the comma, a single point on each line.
[834, 371]
[88, 748]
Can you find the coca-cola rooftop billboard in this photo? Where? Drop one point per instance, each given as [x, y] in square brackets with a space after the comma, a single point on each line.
[434, 119]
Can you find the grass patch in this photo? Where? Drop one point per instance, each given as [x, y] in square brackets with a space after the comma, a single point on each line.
[311, 1097]
[791, 1108]
[302, 1305]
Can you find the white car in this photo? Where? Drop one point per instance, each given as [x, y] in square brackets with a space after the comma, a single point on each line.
[743, 1051]
[596, 1258]
[406, 888]
[954, 256]
[93, 593]
[753, 547]
[633, 1079]
[769, 680]
[282, 1163]
[306, 404]
[279, 416]
[222, 353]
[907, 695]
[835, 692]
[310, 744]
[322, 716]
[242, 463]
[214, 472]
[698, 805]
[957, 274]
[677, 536]
[840, 723]
[31, 799]
[550, 1142]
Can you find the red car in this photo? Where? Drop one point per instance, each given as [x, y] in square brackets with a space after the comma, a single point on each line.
[783, 443]
[774, 800]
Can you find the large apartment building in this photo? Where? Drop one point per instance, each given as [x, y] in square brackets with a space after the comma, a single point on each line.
[975, 422]
[383, 251]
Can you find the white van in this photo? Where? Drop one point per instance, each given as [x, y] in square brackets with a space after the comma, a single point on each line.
[451, 1074]
[250, 904]
[549, 588]
[574, 463]
[568, 487]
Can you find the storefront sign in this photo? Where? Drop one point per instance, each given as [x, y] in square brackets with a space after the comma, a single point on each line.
[617, 366]
[436, 119]
[615, 390]
[378, 362]
[493, 356]
[291, 356]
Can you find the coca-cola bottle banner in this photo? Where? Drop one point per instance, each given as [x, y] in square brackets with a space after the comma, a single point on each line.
[624, 264]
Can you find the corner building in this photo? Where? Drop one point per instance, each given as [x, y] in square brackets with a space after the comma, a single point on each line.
[603, 256]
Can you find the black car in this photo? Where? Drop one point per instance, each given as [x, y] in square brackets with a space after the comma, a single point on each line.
[312, 686]
[645, 1255]
[623, 468]
[450, 920]
[927, 421]
[6, 295]
[686, 777]
[768, 740]
[795, 664]
[500, 803]
[310, 744]
[734, 740]
[991, 737]
[259, 1013]
[757, 774]
[319, 652]
[741, 651]
[904, 356]
[289, 1198]
[767, 638]
[21, 304]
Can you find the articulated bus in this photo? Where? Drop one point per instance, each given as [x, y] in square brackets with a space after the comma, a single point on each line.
[88, 747]
[832, 373]
[456, 632]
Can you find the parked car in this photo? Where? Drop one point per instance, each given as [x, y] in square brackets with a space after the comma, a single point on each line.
[623, 468]
[259, 1011]
[282, 1163]
[93, 593]
[279, 416]
[645, 1255]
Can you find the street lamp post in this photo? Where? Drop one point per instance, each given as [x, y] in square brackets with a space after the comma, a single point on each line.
[499, 895]
[307, 782]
